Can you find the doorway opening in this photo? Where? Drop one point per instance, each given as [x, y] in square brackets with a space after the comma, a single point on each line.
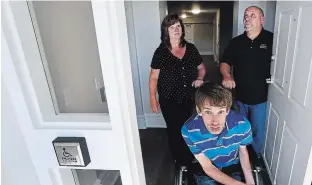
[210, 31]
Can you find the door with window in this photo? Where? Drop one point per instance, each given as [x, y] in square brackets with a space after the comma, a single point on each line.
[66, 70]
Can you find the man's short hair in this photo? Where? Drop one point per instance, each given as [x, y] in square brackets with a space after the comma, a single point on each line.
[215, 94]
[260, 9]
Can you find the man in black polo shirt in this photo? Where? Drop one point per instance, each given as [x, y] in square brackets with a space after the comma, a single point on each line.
[250, 55]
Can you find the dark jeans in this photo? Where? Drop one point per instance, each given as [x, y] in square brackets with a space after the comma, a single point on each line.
[175, 115]
[256, 114]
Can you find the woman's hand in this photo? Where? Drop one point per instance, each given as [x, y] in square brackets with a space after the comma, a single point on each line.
[154, 105]
[197, 83]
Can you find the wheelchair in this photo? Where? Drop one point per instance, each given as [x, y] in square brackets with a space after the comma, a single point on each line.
[183, 174]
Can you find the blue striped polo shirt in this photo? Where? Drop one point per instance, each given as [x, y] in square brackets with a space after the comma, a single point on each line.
[221, 149]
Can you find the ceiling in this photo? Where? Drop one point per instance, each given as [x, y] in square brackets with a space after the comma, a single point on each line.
[206, 7]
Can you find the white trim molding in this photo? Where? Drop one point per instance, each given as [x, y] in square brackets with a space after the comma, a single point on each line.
[151, 120]
[155, 120]
[215, 58]
[141, 121]
[206, 53]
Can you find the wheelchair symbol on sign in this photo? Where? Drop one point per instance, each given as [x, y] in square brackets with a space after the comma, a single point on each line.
[66, 154]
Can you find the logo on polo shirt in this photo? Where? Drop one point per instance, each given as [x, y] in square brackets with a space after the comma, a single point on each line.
[263, 46]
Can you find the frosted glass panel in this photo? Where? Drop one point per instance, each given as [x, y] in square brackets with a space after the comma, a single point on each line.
[97, 177]
[67, 42]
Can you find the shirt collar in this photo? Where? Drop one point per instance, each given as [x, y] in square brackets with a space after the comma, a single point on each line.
[203, 129]
[202, 126]
[224, 131]
[258, 37]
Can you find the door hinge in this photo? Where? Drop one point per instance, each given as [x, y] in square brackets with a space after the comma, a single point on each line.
[270, 80]
[103, 95]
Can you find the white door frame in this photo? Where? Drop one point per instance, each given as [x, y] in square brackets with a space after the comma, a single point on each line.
[119, 147]
[217, 51]
[216, 35]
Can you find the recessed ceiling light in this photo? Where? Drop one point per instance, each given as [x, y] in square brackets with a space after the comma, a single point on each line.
[183, 16]
[196, 11]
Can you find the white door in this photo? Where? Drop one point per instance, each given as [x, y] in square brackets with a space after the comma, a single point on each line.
[288, 142]
[112, 137]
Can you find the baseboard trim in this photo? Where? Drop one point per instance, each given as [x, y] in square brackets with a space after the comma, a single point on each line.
[206, 53]
[154, 120]
[215, 57]
[141, 121]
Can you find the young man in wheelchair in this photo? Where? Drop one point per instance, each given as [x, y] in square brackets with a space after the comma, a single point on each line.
[218, 136]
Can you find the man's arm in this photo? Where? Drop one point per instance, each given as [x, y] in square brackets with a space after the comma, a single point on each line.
[245, 163]
[214, 172]
[225, 70]
[228, 81]
[228, 60]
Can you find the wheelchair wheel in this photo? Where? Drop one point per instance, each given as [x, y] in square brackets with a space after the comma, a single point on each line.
[180, 175]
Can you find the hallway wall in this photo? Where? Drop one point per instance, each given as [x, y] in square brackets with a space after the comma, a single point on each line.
[143, 25]
[226, 17]
[268, 8]
[202, 31]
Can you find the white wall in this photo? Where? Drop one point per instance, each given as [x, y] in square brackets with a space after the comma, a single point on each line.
[214, 33]
[239, 8]
[143, 23]
[217, 35]
[202, 31]
[269, 15]
[235, 18]
[203, 37]
[163, 10]
[200, 18]
[133, 57]
[17, 166]
[70, 46]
